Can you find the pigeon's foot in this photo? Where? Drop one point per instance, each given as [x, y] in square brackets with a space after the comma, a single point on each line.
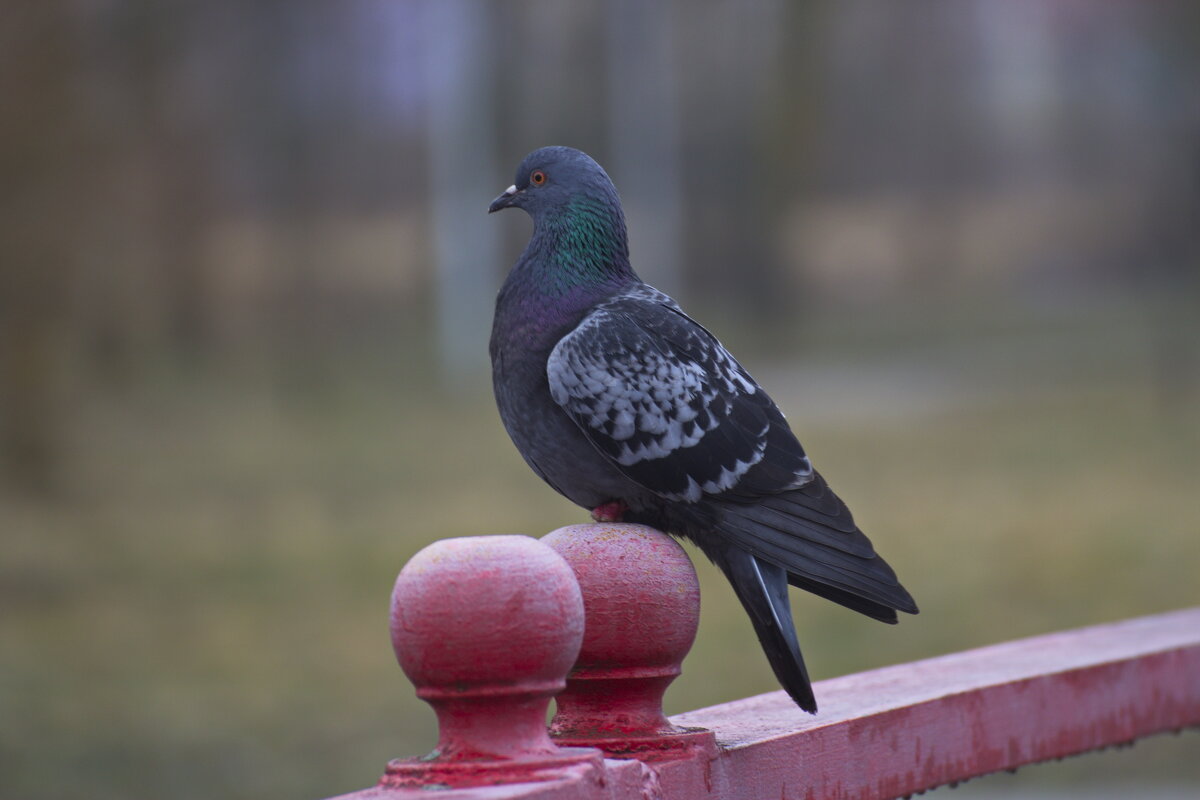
[612, 511]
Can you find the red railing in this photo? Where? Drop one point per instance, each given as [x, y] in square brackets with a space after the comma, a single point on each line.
[490, 628]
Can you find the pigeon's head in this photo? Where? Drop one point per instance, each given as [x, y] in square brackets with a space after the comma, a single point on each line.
[552, 179]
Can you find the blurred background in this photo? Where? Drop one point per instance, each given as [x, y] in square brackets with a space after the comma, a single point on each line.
[245, 292]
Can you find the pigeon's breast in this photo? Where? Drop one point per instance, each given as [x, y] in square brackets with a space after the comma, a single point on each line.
[549, 440]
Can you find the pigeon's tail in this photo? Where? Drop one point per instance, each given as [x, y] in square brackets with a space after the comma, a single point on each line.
[762, 588]
[803, 536]
[808, 533]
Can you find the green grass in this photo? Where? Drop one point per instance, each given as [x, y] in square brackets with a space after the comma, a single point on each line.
[203, 613]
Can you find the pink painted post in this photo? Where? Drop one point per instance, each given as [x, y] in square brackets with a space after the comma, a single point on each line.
[486, 629]
[642, 605]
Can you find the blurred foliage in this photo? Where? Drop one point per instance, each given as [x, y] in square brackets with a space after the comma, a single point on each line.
[958, 241]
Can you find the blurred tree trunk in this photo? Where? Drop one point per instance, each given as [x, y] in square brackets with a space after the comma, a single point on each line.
[175, 140]
[792, 129]
[643, 125]
[731, 254]
[1176, 220]
[44, 167]
[461, 132]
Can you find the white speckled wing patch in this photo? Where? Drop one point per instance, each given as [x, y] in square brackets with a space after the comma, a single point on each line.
[658, 395]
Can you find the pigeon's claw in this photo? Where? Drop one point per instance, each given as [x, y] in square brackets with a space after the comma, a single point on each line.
[612, 511]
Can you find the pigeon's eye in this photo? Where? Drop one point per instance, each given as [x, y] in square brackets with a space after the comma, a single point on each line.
[537, 177]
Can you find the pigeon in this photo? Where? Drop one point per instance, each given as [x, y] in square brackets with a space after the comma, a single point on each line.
[631, 409]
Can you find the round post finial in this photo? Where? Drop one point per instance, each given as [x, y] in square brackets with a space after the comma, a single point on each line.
[642, 607]
[487, 628]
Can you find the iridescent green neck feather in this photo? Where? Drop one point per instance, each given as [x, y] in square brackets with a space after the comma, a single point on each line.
[584, 244]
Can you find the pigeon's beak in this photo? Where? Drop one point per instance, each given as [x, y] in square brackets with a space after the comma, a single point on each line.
[504, 200]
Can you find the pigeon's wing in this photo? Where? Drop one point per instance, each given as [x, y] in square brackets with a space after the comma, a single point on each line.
[661, 398]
